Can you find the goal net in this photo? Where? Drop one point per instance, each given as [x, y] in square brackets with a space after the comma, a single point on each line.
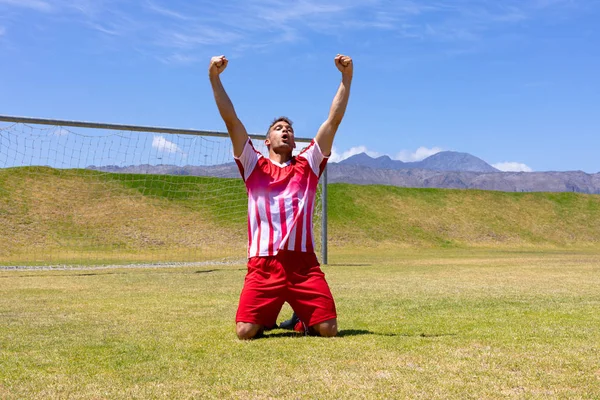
[89, 196]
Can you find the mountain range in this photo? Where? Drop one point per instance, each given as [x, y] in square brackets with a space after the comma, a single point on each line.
[442, 161]
[447, 169]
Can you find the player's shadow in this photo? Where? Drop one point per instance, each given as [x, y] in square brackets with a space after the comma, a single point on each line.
[268, 335]
[355, 332]
[80, 274]
[100, 273]
[358, 332]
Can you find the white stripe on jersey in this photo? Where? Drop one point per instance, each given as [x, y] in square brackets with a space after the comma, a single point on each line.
[254, 240]
[265, 227]
[306, 226]
[291, 242]
[289, 218]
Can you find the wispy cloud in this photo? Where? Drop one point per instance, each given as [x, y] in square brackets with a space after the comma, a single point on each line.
[91, 9]
[176, 30]
[280, 12]
[420, 154]
[2, 30]
[540, 4]
[180, 59]
[37, 5]
[512, 167]
[104, 29]
[167, 12]
[197, 36]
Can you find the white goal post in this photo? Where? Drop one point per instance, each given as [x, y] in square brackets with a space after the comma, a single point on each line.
[75, 193]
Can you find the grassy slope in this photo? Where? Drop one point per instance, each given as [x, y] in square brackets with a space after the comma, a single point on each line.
[72, 213]
[374, 215]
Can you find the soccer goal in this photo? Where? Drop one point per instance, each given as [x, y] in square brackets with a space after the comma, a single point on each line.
[78, 193]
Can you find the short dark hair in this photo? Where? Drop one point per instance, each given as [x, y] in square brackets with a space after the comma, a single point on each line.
[279, 119]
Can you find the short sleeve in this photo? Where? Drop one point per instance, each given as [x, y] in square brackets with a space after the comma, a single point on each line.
[247, 160]
[315, 157]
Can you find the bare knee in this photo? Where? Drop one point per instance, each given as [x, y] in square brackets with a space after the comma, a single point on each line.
[246, 330]
[327, 328]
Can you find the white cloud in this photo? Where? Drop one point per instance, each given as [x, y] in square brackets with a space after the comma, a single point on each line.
[337, 157]
[420, 154]
[165, 146]
[512, 167]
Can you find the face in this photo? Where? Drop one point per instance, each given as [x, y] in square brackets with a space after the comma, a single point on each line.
[281, 137]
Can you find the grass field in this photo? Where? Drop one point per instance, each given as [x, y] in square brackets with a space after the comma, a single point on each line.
[438, 323]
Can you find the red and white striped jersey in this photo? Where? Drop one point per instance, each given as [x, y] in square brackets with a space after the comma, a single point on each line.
[281, 199]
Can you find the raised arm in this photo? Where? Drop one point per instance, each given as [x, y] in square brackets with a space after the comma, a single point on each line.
[235, 128]
[328, 129]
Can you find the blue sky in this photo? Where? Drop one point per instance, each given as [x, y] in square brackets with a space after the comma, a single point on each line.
[515, 83]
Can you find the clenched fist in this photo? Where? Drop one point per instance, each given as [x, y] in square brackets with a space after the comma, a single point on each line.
[344, 64]
[217, 65]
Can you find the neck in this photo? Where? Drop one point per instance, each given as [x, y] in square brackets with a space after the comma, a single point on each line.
[280, 158]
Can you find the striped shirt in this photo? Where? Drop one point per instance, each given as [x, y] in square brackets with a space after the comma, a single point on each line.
[281, 199]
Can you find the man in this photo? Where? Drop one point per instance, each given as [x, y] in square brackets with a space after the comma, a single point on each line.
[282, 265]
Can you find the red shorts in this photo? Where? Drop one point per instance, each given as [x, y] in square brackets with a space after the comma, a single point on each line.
[291, 276]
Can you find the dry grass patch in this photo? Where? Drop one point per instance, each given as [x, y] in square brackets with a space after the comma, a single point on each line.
[69, 216]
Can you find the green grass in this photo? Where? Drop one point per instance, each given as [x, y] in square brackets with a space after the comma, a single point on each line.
[95, 217]
[414, 323]
[385, 215]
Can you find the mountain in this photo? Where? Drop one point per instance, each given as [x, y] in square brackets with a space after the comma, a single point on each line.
[454, 161]
[442, 161]
[383, 162]
[570, 181]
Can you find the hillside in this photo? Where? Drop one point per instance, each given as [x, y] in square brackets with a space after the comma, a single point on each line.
[90, 216]
[374, 215]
